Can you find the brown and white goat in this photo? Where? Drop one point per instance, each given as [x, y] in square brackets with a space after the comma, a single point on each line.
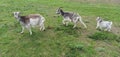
[30, 20]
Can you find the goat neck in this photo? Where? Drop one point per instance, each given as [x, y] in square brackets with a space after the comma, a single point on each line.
[61, 12]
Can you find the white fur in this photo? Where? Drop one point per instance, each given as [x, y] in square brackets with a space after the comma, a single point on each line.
[34, 22]
[103, 25]
[75, 21]
[39, 21]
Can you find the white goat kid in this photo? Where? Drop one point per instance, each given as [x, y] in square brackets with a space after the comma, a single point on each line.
[30, 20]
[103, 25]
[70, 17]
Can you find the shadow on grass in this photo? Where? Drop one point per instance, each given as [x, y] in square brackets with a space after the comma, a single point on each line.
[101, 35]
[78, 49]
[35, 35]
[68, 30]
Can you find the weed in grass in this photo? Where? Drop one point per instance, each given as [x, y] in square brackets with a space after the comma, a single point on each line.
[78, 49]
[103, 36]
[100, 49]
[3, 28]
[68, 30]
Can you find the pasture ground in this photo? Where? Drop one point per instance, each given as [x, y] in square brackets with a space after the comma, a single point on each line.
[59, 40]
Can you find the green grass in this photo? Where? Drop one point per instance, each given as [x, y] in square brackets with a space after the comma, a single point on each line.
[104, 36]
[59, 40]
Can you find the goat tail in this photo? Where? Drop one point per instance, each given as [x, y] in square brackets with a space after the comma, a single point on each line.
[111, 23]
[42, 19]
[80, 19]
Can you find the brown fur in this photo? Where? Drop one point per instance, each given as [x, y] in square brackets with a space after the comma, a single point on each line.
[26, 19]
[33, 16]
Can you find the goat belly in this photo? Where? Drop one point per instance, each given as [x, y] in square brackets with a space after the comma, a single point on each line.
[104, 25]
[34, 22]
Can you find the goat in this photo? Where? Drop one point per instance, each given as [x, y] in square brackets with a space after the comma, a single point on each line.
[30, 20]
[103, 25]
[70, 17]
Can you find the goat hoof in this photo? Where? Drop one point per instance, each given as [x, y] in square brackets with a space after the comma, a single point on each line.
[21, 32]
[44, 30]
[64, 25]
[74, 27]
[30, 34]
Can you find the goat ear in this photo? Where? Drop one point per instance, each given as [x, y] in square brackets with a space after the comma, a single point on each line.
[97, 18]
[13, 12]
[19, 12]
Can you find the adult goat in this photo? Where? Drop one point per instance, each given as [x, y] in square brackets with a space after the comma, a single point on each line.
[30, 20]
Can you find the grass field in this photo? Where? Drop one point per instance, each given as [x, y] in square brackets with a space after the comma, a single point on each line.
[59, 40]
